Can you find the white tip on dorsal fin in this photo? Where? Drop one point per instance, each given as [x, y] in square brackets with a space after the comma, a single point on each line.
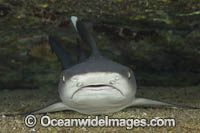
[74, 20]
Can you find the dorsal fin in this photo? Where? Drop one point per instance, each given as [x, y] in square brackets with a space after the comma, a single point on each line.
[81, 56]
[64, 57]
[85, 35]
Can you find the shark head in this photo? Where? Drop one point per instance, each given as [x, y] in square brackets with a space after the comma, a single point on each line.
[97, 85]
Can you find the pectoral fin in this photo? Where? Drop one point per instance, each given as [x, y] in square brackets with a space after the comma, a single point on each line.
[59, 106]
[144, 101]
[53, 108]
[149, 102]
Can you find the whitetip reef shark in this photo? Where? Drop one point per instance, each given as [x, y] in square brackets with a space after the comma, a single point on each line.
[96, 85]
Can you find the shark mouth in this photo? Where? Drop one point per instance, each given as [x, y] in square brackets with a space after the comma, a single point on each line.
[98, 87]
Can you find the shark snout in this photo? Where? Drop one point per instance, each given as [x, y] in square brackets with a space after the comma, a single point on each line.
[96, 82]
[95, 79]
[109, 82]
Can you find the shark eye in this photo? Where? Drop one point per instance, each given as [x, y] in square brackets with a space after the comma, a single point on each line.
[129, 74]
[63, 77]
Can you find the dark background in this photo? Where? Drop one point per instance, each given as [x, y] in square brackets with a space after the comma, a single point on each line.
[159, 40]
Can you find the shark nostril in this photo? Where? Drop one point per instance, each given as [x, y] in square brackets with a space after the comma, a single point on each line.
[79, 84]
[116, 77]
[74, 79]
[112, 81]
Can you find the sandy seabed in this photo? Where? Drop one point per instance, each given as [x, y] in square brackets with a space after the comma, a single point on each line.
[20, 101]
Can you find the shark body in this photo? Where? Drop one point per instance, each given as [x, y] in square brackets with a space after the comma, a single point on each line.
[96, 85]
